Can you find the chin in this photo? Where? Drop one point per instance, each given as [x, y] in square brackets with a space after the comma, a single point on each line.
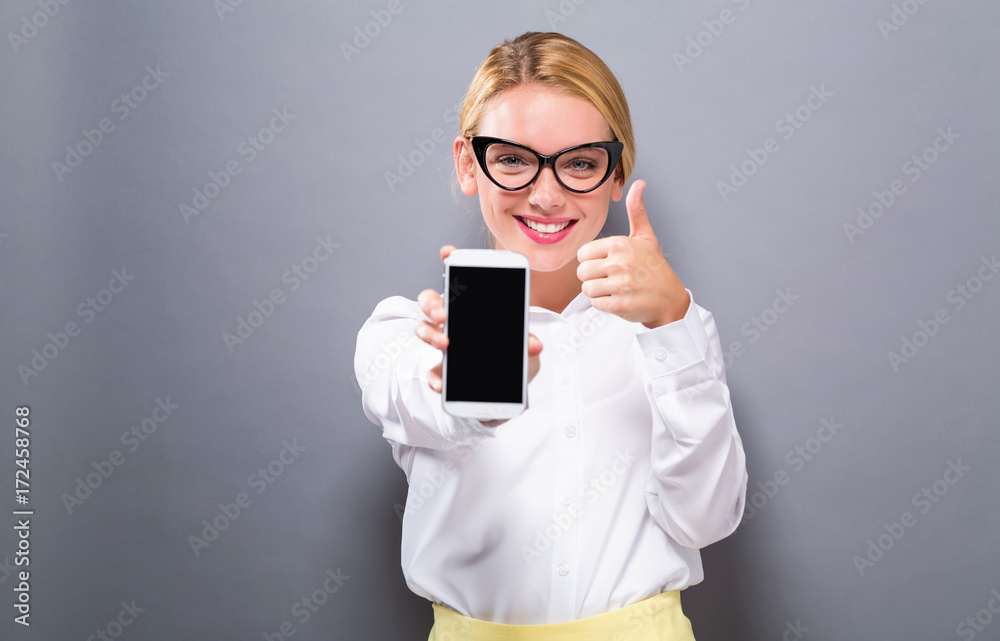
[548, 259]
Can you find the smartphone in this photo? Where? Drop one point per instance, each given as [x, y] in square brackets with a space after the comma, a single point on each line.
[485, 366]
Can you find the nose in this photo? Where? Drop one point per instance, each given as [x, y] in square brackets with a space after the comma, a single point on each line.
[546, 192]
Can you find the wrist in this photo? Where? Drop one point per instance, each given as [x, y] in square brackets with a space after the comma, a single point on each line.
[671, 316]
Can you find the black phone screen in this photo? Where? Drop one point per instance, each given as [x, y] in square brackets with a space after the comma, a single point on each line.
[485, 334]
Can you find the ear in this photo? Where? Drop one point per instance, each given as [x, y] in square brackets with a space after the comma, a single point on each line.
[465, 166]
[616, 186]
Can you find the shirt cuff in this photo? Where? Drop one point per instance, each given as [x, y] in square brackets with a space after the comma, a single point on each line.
[670, 348]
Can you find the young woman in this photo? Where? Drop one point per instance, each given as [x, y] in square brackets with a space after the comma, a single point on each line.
[582, 517]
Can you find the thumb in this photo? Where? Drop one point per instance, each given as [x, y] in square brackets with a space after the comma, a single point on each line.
[638, 220]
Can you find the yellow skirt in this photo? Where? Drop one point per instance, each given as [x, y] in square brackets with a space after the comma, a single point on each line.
[657, 618]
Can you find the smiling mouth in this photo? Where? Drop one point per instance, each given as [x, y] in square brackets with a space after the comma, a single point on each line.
[549, 228]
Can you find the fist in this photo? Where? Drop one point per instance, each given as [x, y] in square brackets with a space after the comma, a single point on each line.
[628, 276]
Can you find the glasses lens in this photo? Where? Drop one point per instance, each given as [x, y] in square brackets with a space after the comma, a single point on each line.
[582, 169]
[512, 167]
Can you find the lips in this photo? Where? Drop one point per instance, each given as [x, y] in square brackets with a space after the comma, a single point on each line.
[545, 230]
[545, 227]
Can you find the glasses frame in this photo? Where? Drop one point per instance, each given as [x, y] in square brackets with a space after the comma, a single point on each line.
[480, 144]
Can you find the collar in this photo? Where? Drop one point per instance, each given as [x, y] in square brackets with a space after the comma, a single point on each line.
[577, 306]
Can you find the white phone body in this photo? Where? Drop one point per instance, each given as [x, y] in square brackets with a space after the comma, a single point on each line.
[485, 366]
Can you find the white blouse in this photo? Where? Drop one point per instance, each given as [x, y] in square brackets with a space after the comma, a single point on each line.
[600, 494]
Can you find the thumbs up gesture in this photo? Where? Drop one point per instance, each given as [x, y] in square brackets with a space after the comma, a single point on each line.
[628, 275]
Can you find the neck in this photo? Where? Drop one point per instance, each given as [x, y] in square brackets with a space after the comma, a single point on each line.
[555, 290]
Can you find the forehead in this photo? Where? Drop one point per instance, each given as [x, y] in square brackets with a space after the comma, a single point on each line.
[544, 119]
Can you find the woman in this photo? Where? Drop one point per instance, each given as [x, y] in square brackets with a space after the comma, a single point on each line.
[582, 517]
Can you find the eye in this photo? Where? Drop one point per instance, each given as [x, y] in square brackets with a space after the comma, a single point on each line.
[581, 164]
[510, 160]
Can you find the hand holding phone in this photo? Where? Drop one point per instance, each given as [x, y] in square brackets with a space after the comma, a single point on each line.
[432, 332]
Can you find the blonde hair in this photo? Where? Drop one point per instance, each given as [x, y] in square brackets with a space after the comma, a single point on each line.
[558, 62]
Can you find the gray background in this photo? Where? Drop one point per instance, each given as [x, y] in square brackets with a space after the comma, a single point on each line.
[324, 176]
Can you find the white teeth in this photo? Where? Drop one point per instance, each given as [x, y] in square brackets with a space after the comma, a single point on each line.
[545, 229]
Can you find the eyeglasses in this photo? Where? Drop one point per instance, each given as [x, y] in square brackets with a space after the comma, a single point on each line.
[512, 166]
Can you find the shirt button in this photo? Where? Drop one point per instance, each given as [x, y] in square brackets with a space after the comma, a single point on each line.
[570, 431]
[566, 382]
[561, 330]
[566, 500]
[563, 569]
[660, 354]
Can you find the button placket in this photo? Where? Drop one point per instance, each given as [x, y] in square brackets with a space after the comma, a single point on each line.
[566, 501]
